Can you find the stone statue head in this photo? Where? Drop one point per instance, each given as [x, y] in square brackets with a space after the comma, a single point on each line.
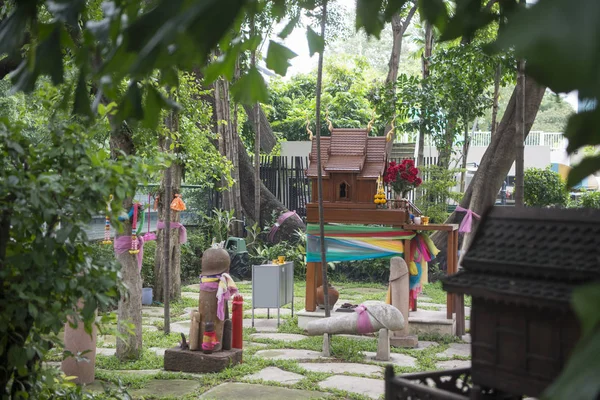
[215, 261]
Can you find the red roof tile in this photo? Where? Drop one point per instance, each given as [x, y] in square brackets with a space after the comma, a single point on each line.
[312, 168]
[344, 163]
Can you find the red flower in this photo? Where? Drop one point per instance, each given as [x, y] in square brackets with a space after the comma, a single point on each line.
[411, 178]
[408, 162]
[418, 181]
[404, 175]
[402, 167]
[414, 171]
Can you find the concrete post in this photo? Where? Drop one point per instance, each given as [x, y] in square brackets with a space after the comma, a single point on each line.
[77, 341]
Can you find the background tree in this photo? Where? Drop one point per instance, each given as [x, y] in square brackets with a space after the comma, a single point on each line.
[544, 188]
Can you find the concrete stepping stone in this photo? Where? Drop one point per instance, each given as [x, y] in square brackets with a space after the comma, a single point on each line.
[285, 337]
[467, 338]
[158, 388]
[149, 328]
[262, 312]
[262, 325]
[457, 349]
[151, 320]
[401, 360]
[159, 351]
[274, 374]
[140, 372]
[153, 311]
[248, 391]
[181, 327]
[254, 344]
[340, 368]
[107, 340]
[106, 352]
[290, 354]
[373, 388]
[453, 364]
[424, 344]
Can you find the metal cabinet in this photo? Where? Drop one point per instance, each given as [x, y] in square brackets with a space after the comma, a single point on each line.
[272, 287]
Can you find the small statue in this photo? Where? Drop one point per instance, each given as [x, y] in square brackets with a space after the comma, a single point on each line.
[216, 288]
[184, 345]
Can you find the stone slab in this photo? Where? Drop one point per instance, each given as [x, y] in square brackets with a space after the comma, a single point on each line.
[249, 391]
[158, 388]
[457, 349]
[158, 351]
[140, 372]
[410, 341]
[198, 362]
[453, 364]
[253, 344]
[149, 328]
[290, 354]
[157, 312]
[431, 322]
[424, 344]
[271, 312]
[181, 327]
[262, 325]
[373, 388]
[467, 338]
[343, 368]
[401, 360]
[274, 374]
[285, 337]
[105, 352]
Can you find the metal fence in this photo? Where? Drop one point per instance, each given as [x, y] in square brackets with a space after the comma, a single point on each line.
[554, 140]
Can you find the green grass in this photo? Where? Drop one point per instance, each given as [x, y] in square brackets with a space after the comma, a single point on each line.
[438, 295]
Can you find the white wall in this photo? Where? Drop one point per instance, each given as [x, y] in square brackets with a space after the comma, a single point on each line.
[296, 149]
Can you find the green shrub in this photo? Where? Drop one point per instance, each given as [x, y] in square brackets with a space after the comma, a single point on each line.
[590, 200]
[437, 190]
[544, 188]
[376, 271]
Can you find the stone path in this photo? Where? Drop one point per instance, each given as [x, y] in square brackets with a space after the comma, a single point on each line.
[363, 378]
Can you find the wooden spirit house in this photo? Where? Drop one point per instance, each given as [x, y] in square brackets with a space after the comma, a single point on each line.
[352, 162]
[521, 271]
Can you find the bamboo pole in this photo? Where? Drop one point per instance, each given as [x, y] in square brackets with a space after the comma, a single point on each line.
[320, 172]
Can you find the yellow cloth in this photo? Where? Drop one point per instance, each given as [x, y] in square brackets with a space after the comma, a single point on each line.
[424, 273]
[206, 280]
[388, 296]
[412, 268]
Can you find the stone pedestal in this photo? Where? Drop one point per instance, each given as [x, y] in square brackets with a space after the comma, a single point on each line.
[198, 362]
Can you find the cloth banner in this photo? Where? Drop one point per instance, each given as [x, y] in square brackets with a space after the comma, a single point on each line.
[361, 242]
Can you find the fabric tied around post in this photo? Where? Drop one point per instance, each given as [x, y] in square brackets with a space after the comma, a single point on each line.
[279, 222]
[122, 244]
[225, 289]
[465, 225]
[363, 324]
[175, 225]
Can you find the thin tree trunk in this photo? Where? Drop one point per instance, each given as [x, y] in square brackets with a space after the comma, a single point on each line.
[256, 140]
[320, 175]
[465, 153]
[445, 152]
[267, 138]
[520, 137]
[495, 164]
[497, 77]
[425, 60]
[130, 305]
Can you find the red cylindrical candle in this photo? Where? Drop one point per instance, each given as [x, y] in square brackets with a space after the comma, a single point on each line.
[237, 318]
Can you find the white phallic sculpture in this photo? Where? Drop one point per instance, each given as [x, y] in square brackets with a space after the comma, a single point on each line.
[371, 316]
[398, 294]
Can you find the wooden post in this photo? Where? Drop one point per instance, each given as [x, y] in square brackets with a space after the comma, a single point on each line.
[449, 271]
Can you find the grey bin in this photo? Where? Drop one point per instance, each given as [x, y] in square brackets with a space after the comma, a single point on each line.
[147, 296]
[272, 287]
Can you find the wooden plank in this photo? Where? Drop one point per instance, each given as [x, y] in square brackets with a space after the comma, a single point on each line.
[431, 227]
[351, 216]
[314, 279]
[449, 271]
[459, 306]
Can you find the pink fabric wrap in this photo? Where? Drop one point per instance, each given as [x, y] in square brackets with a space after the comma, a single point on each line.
[175, 225]
[279, 222]
[123, 244]
[209, 286]
[363, 325]
[465, 225]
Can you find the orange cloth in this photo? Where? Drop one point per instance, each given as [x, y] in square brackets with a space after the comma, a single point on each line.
[177, 204]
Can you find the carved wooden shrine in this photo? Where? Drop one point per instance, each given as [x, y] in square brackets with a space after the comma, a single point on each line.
[520, 270]
[352, 162]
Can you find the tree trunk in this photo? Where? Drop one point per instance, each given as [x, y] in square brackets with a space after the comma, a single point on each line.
[425, 70]
[268, 202]
[174, 245]
[445, 152]
[465, 153]
[497, 77]
[399, 27]
[267, 138]
[130, 305]
[520, 137]
[495, 164]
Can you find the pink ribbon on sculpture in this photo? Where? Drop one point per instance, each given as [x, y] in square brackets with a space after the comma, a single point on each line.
[363, 324]
[122, 244]
[175, 225]
[280, 222]
[465, 225]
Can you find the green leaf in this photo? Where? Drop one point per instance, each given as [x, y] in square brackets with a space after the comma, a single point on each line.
[368, 16]
[585, 303]
[435, 12]
[278, 57]
[81, 104]
[585, 168]
[250, 88]
[285, 32]
[316, 44]
[582, 129]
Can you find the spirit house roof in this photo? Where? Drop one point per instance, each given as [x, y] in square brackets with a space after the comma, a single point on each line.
[350, 151]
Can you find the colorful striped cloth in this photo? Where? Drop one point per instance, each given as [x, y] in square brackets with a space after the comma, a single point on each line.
[362, 242]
